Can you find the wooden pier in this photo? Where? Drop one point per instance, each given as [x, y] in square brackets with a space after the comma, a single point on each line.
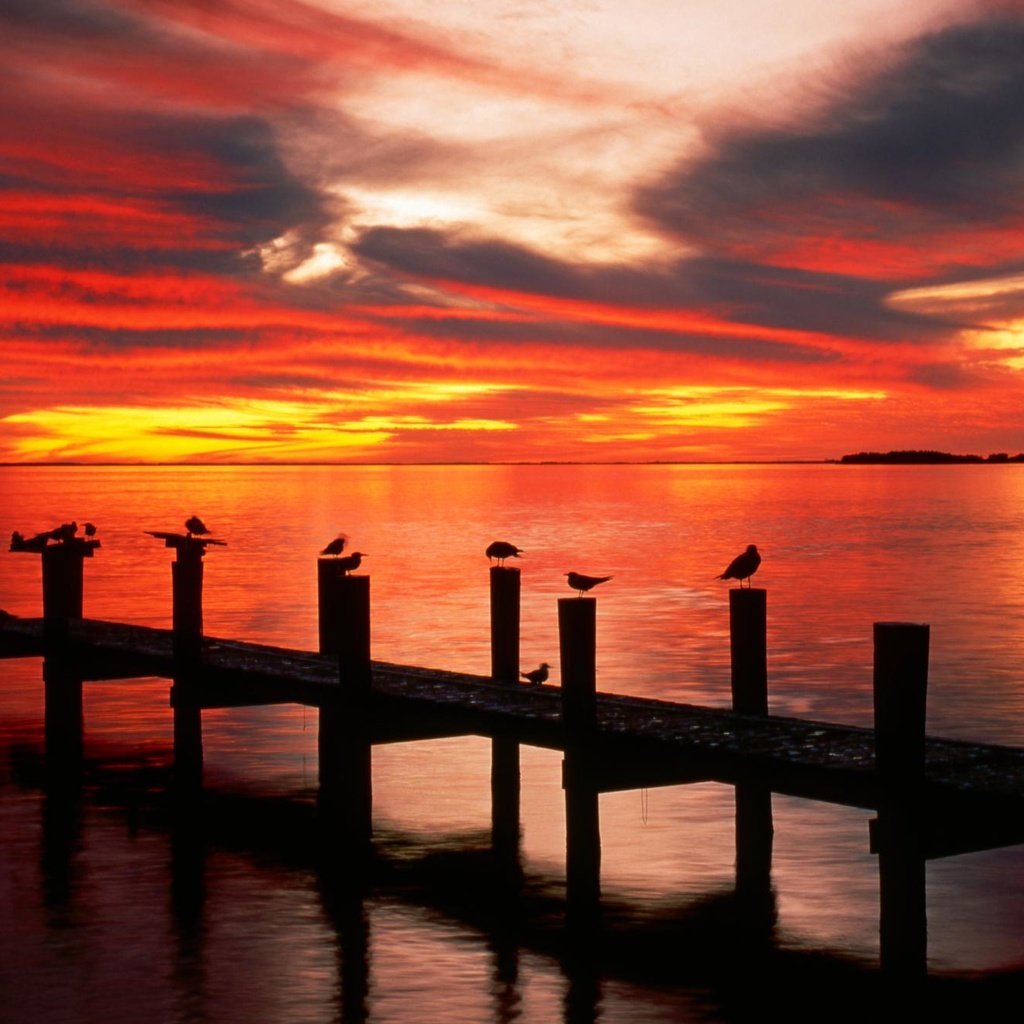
[930, 797]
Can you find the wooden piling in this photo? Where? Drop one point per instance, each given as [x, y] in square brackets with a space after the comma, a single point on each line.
[577, 632]
[748, 645]
[187, 638]
[328, 615]
[63, 586]
[505, 589]
[187, 601]
[344, 748]
[900, 694]
[63, 589]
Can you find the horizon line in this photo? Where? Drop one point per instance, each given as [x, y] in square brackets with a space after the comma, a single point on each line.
[75, 463]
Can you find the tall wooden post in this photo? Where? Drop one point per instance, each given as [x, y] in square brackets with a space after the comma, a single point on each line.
[187, 637]
[63, 587]
[505, 773]
[900, 692]
[345, 752]
[577, 633]
[748, 645]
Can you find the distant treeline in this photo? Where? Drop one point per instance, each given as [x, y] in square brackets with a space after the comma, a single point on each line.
[907, 457]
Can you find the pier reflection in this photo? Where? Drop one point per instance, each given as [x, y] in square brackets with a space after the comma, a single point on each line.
[713, 956]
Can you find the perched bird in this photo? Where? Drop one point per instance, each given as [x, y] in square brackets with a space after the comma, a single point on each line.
[538, 675]
[36, 543]
[65, 532]
[90, 529]
[336, 546]
[501, 550]
[195, 526]
[17, 541]
[580, 582]
[742, 567]
[350, 562]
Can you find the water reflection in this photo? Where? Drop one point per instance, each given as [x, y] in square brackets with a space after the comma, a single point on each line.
[716, 954]
[835, 541]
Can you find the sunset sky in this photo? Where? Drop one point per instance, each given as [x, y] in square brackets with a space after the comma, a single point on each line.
[249, 230]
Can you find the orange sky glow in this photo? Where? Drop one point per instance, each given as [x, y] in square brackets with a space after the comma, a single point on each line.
[274, 230]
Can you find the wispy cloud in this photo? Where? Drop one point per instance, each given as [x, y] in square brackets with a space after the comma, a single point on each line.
[514, 232]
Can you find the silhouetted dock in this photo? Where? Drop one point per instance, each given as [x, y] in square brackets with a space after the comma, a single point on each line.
[932, 797]
[642, 742]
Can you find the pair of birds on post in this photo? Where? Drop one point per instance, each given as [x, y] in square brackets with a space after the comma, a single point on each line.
[334, 549]
[63, 534]
[501, 550]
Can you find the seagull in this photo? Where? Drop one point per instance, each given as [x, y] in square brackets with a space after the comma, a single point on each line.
[538, 675]
[195, 526]
[90, 529]
[350, 562]
[742, 567]
[501, 550]
[65, 532]
[336, 546]
[580, 582]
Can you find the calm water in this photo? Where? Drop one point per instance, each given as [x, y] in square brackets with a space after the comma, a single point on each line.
[104, 917]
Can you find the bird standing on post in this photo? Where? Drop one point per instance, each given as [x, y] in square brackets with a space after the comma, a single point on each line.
[336, 546]
[581, 583]
[350, 562]
[538, 675]
[195, 526]
[742, 567]
[90, 529]
[501, 550]
[65, 532]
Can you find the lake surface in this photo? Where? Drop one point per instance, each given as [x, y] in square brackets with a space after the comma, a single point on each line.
[103, 917]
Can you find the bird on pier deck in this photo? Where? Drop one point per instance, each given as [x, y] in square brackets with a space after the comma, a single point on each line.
[742, 567]
[90, 529]
[501, 550]
[538, 675]
[581, 583]
[350, 562]
[336, 546]
[195, 526]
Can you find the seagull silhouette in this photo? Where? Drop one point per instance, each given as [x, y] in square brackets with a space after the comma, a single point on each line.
[90, 529]
[742, 567]
[581, 583]
[195, 526]
[350, 562]
[538, 675]
[336, 546]
[65, 532]
[501, 550]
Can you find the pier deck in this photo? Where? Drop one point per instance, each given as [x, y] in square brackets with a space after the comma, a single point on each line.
[639, 742]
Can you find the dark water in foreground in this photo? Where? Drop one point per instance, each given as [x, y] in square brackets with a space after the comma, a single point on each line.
[114, 907]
